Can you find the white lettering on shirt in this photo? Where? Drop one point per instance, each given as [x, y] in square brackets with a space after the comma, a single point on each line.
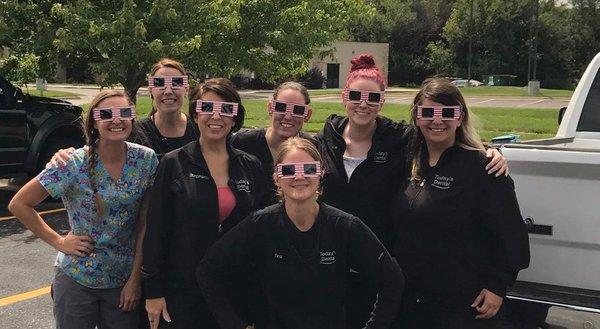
[327, 257]
[442, 182]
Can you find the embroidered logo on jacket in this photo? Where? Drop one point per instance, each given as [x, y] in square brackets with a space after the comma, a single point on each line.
[277, 256]
[442, 182]
[327, 257]
[242, 185]
[380, 157]
[198, 176]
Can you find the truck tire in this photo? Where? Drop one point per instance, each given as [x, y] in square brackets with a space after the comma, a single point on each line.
[50, 147]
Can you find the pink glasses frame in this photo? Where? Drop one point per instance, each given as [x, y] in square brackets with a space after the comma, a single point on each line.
[217, 108]
[437, 112]
[298, 168]
[168, 81]
[364, 96]
[116, 113]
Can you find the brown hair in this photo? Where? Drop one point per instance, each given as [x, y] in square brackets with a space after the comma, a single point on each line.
[226, 90]
[165, 62]
[92, 135]
[441, 90]
[293, 86]
[292, 144]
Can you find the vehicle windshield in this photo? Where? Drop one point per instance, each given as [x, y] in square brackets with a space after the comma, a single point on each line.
[590, 115]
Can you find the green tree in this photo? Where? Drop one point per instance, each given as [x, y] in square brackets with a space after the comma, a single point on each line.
[121, 39]
[20, 70]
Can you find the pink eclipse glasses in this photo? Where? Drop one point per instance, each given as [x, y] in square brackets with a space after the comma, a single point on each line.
[430, 112]
[283, 108]
[175, 82]
[225, 109]
[111, 113]
[291, 170]
[356, 96]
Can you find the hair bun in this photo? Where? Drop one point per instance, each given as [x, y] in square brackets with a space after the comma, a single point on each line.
[363, 61]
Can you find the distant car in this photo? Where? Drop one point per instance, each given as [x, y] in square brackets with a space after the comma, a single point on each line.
[464, 82]
[33, 128]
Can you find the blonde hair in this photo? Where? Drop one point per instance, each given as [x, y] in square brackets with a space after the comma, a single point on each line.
[293, 144]
[92, 137]
[440, 90]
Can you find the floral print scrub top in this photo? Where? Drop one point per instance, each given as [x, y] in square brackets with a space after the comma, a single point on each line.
[113, 235]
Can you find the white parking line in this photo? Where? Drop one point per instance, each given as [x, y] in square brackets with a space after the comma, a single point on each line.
[481, 102]
[530, 103]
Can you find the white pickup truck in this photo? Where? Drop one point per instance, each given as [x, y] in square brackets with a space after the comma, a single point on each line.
[557, 181]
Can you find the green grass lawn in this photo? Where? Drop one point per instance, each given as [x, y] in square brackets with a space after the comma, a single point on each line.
[493, 121]
[51, 93]
[471, 91]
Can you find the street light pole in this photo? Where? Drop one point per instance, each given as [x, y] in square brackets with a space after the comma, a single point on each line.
[470, 31]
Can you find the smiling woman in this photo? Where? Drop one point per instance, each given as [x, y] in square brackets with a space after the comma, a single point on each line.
[303, 264]
[102, 186]
[202, 190]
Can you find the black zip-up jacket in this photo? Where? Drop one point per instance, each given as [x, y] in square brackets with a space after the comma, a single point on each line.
[459, 230]
[254, 142]
[146, 133]
[183, 220]
[374, 182]
[302, 292]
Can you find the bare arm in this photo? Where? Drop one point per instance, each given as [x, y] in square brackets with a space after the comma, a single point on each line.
[22, 206]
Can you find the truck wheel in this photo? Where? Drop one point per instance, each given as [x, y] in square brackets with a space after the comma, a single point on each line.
[51, 147]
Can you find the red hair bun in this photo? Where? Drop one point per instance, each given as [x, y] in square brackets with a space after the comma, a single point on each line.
[363, 61]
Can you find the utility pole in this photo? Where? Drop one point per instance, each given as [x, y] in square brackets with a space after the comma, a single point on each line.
[470, 44]
[533, 85]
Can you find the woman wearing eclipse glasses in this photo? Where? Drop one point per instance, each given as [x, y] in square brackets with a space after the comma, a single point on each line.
[97, 278]
[301, 251]
[364, 156]
[201, 191]
[288, 110]
[166, 127]
[461, 238]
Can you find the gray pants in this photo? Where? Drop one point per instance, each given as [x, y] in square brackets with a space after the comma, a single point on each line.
[80, 307]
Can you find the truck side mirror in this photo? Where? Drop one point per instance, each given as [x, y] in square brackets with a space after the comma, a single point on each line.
[561, 114]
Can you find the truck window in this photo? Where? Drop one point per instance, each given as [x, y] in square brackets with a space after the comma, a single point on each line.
[590, 115]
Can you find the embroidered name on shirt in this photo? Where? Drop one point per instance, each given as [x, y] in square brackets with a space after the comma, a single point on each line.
[242, 185]
[277, 256]
[380, 157]
[442, 182]
[198, 176]
[327, 257]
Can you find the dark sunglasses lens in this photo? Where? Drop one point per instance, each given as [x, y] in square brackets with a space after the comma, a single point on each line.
[310, 169]
[448, 113]
[427, 112]
[288, 170]
[207, 107]
[159, 82]
[354, 95]
[126, 112]
[177, 82]
[298, 110]
[227, 108]
[374, 97]
[105, 114]
[280, 107]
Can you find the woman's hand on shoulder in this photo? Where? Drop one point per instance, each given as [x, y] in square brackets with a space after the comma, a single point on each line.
[61, 157]
[497, 164]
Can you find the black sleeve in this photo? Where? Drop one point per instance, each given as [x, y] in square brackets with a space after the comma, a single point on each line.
[157, 231]
[502, 218]
[368, 255]
[262, 190]
[229, 255]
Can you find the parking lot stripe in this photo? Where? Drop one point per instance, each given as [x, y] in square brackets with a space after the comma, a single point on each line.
[24, 296]
[41, 214]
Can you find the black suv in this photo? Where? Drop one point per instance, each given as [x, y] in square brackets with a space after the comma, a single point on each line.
[33, 128]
